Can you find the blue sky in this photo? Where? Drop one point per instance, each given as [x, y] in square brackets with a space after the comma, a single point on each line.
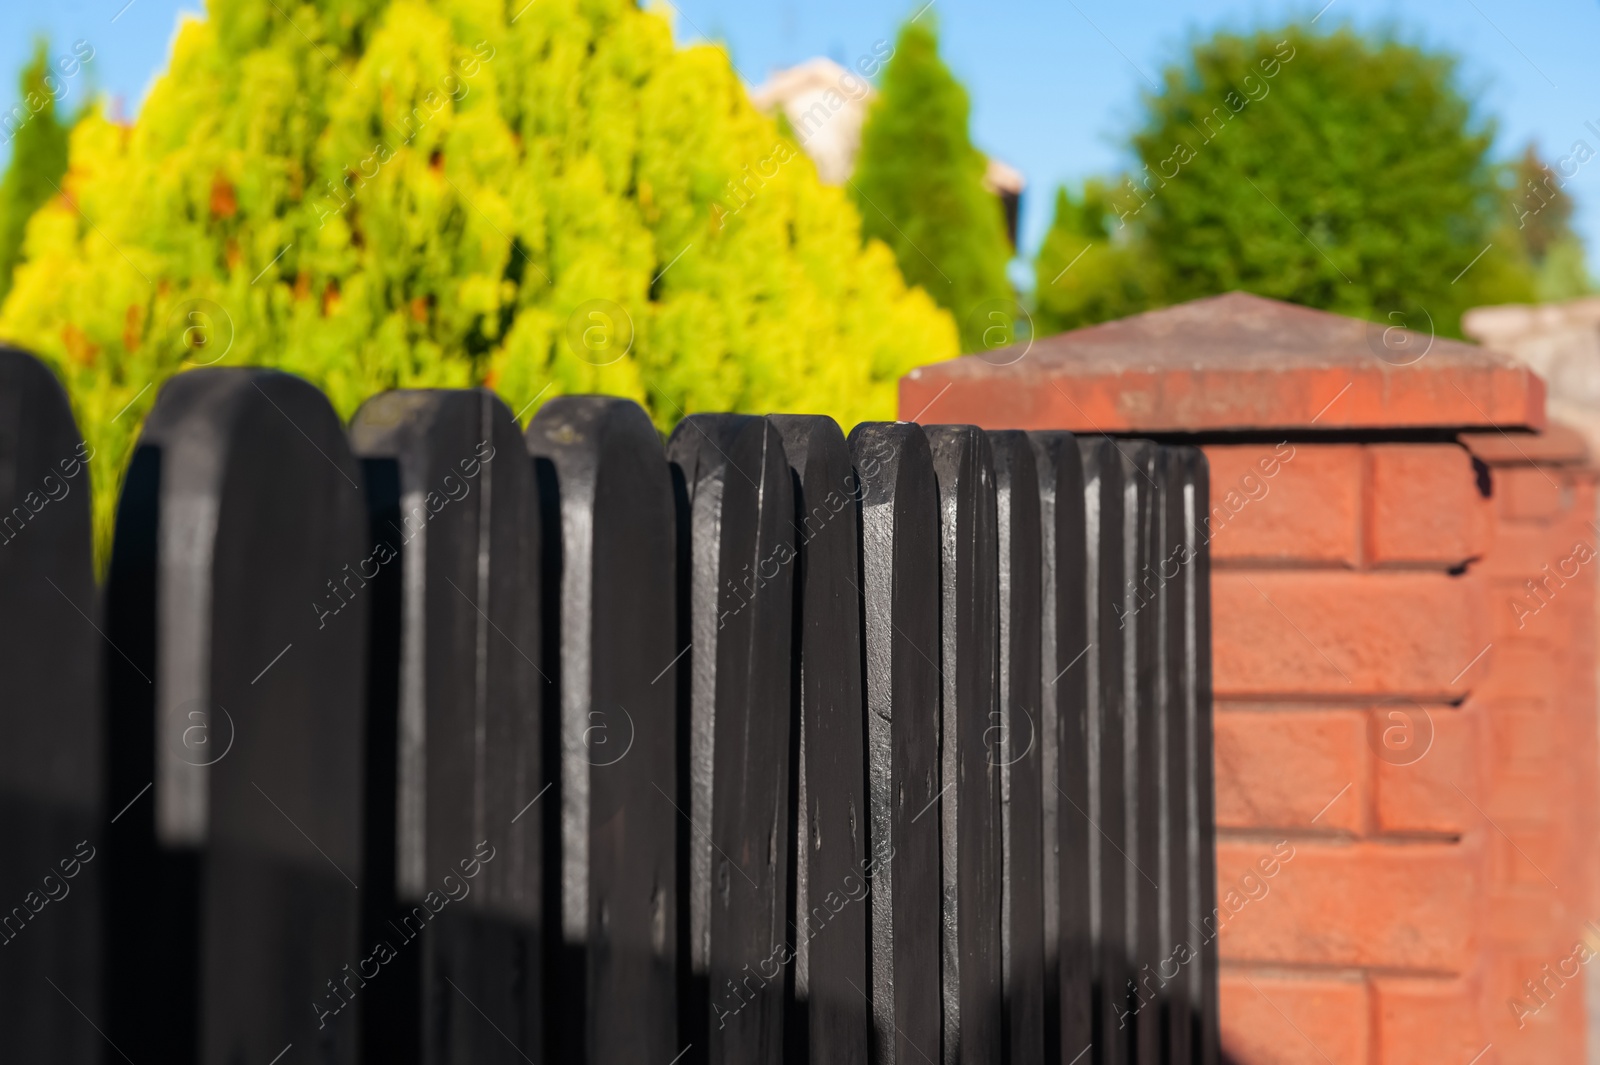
[1053, 84]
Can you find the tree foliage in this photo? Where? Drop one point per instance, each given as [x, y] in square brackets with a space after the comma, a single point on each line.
[919, 184]
[38, 157]
[546, 198]
[1542, 210]
[1087, 271]
[1330, 169]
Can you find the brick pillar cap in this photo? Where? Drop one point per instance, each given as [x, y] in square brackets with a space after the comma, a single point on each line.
[1228, 363]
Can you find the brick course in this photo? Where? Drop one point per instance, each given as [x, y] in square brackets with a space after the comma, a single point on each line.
[1424, 506]
[1345, 635]
[1295, 505]
[1293, 1019]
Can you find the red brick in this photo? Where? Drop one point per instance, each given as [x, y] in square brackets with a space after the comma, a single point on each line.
[1411, 906]
[1537, 708]
[1528, 931]
[1431, 793]
[1582, 484]
[1271, 1019]
[1517, 669]
[1529, 913]
[1531, 494]
[1510, 796]
[1425, 506]
[1529, 601]
[1518, 611]
[1286, 503]
[1574, 607]
[1346, 634]
[1523, 737]
[1530, 859]
[1280, 768]
[1517, 551]
[1424, 1021]
[1545, 1029]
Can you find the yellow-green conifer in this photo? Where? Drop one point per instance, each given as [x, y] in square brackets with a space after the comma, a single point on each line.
[547, 197]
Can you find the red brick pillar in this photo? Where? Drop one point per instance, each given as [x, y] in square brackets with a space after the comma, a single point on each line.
[1538, 755]
[1394, 700]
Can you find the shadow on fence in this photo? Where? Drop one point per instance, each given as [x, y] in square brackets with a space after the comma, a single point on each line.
[435, 741]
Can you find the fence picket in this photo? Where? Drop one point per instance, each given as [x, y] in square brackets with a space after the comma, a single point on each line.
[611, 866]
[737, 505]
[51, 792]
[1142, 763]
[1201, 849]
[233, 927]
[1065, 649]
[1175, 935]
[764, 746]
[900, 608]
[1016, 747]
[1104, 490]
[830, 1023]
[969, 797]
[453, 731]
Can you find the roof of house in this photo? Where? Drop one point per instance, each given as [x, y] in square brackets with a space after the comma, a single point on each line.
[829, 127]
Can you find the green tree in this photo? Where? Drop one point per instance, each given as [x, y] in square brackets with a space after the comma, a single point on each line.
[38, 141]
[1086, 270]
[1542, 211]
[1330, 169]
[545, 198]
[919, 185]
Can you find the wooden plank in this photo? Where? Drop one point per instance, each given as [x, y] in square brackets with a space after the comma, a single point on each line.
[1202, 825]
[1179, 965]
[453, 851]
[1015, 745]
[1104, 488]
[969, 799]
[737, 503]
[1139, 624]
[900, 608]
[51, 794]
[235, 919]
[1065, 650]
[610, 743]
[830, 1022]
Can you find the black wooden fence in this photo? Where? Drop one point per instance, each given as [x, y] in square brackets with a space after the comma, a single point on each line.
[396, 746]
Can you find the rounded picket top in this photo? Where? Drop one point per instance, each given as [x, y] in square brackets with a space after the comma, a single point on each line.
[900, 605]
[1063, 671]
[831, 853]
[1014, 743]
[454, 727]
[51, 795]
[612, 642]
[969, 804]
[238, 701]
[737, 503]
